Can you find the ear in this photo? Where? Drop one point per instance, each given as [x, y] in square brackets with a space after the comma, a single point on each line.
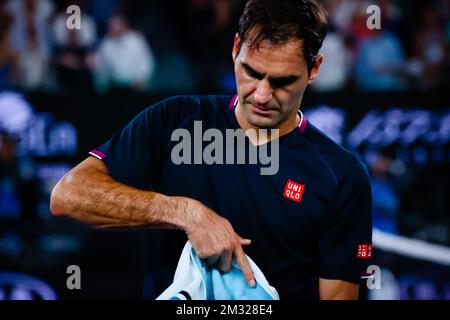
[235, 52]
[315, 69]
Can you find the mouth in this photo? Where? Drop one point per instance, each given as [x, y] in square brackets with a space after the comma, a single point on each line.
[262, 111]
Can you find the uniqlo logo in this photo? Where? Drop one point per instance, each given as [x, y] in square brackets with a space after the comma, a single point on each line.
[294, 191]
[364, 251]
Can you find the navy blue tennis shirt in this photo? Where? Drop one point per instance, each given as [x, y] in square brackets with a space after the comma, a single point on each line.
[311, 219]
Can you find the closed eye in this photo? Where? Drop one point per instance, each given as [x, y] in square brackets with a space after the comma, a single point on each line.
[275, 83]
[251, 72]
[282, 82]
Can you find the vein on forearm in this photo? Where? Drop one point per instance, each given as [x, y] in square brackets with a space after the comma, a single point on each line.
[106, 202]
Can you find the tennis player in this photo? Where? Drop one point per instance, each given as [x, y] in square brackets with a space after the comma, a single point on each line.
[307, 225]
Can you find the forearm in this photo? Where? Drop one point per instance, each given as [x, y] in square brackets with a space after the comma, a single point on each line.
[337, 290]
[89, 194]
[92, 196]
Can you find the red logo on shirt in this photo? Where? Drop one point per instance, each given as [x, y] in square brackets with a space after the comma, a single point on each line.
[294, 191]
[364, 251]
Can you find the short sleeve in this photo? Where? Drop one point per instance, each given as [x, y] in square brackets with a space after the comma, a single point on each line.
[133, 154]
[345, 247]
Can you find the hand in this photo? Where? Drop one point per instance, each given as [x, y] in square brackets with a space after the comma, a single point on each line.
[215, 240]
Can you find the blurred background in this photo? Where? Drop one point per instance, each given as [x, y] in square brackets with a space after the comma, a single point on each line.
[383, 94]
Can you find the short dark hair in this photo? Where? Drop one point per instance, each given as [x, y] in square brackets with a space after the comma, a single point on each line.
[280, 21]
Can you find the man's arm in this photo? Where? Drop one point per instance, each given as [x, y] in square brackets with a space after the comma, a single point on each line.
[338, 248]
[89, 194]
[337, 290]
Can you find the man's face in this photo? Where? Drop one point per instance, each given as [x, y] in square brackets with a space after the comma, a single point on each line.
[271, 81]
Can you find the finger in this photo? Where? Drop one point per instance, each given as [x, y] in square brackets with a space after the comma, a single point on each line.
[243, 263]
[225, 261]
[245, 242]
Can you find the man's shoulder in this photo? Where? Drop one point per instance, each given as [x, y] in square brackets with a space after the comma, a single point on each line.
[342, 161]
[185, 105]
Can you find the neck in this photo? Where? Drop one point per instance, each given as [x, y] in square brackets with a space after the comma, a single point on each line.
[284, 128]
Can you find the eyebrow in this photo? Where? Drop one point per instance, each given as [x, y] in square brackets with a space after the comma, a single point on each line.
[286, 80]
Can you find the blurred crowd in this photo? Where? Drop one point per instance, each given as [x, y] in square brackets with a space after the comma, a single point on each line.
[162, 46]
[410, 52]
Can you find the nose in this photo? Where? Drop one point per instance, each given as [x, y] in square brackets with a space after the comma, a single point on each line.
[263, 93]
